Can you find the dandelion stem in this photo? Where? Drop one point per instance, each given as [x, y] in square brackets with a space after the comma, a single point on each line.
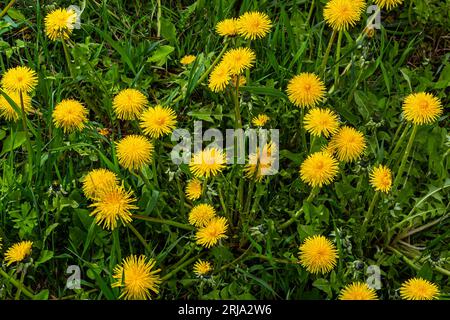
[338, 56]
[263, 257]
[145, 180]
[66, 54]
[138, 235]
[400, 141]
[158, 19]
[29, 145]
[311, 196]
[367, 218]
[204, 187]
[405, 157]
[22, 278]
[174, 272]
[155, 173]
[327, 53]
[164, 221]
[311, 9]
[397, 132]
[8, 6]
[237, 107]
[16, 283]
[301, 129]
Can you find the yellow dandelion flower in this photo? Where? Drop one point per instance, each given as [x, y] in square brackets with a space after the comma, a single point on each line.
[70, 115]
[319, 169]
[202, 268]
[260, 120]
[381, 178]
[7, 111]
[158, 121]
[134, 152]
[422, 108]
[208, 162]
[136, 277]
[260, 163]
[129, 103]
[201, 214]
[342, 14]
[254, 25]
[388, 4]
[98, 181]
[60, 23]
[19, 79]
[318, 254]
[219, 78]
[18, 251]
[111, 205]
[227, 27]
[321, 122]
[214, 231]
[348, 144]
[194, 189]
[188, 59]
[358, 291]
[306, 90]
[239, 59]
[419, 289]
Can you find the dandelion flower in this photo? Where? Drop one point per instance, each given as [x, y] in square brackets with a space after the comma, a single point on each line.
[348, 144]
[201, 214]
[60, 23]
[98, 181]
[260, 120]
[19, 79]
[70, 115]
[6, 109]
[358, 291]
[194, 189]
[219, 78]
[18, 251]
[112, 205]
[227, 27]
[342, 14]
[254, 25]
[214, 231]
[239, 59]
[321, 121]
[129, 103]
[319, 169]
[306, 90]
[260, 163]
[381, 178]
[419, 289]
[318, 254]
[207, 162]
[158, 121]
[134, 152]
[136, 278]
[188, 59]
[388, 4]
[422, 108]
[202, 268]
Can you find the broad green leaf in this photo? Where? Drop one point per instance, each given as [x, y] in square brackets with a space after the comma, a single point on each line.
[160, 55]
[14, 141]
